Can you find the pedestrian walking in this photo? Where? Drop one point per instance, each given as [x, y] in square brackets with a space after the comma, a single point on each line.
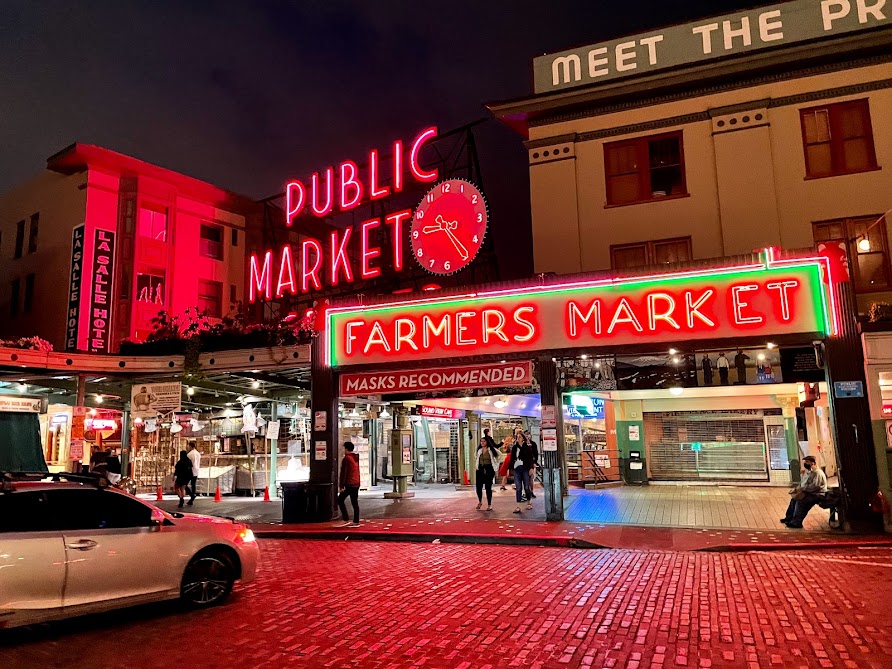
[349, 485]
[529, 437]
[504, 468]
[487, 461]
[812, 489]
[521, 462]
[195, 458]
[182, 476]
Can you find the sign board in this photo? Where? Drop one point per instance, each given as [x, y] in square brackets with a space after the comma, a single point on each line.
[76, 449]
[320, 421]
[321, 450]
[272, 429]
[602, 461]
[889, 435]
[407, 455]
[438, 378]
[689, 44]
[887, 408]
[754, 300]
[74, 287]
[800, 365]
[147, 400]
[634, 433]
[441, 412]
[848, 389]
[12, 404]
[549, 440]
[549, 417]
[102, 273]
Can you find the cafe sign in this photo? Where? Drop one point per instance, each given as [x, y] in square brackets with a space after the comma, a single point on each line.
[773, 298]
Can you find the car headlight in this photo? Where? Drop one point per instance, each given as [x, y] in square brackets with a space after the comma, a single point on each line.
[245, 536]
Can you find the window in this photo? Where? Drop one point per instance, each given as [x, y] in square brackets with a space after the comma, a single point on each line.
[233, 295]
[92, 509]
[15, 290]
[645, 169]
[660, 252]
[234, 237]
[838, 139]
[29, 294]
[32, 233]
[210, 298]
[19, 239]
[210, 244]
[152, 224]
[867, 249]
[150, 288]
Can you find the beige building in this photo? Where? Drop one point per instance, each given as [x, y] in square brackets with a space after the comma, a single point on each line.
[785, 147]
[98, 243]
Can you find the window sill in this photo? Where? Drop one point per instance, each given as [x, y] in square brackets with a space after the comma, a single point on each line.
[843, 174]
[680, 196]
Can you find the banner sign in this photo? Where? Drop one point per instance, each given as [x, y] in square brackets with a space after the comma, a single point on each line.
[779, 25]
[147, 400]
[20, 404]
[102, 272]
[442, 412]
[74, 287]
[787, 297]
[437, 379]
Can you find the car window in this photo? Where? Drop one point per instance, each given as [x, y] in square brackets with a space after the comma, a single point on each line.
[24, 512]
[91, 509]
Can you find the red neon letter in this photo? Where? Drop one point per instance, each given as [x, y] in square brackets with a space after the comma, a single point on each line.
[377, 338]
[339, 256]
[348, 181]
[739, 305]
[350, 336]
[396, 236]
[329, 203]
[443, 330]
[375, 192]
[295, 198]
[420, 141]
[594, 312]
[624, 308]
[461, 328]
[520, 320]
[367, 252]
[782, 287]
[494, 329]
[693, 308]
[260, 282]
[653, 315]
[308, 271]
[397, 166]
[286, 264]
[408, 336]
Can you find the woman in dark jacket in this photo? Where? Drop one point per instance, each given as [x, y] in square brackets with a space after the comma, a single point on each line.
[182, 475]
[487, 463]
[521, 463]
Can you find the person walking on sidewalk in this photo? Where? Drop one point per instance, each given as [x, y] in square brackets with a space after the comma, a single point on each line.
[529, 437]
[812, 489]
[195, 458]
[349, 484]
[521, 463]
[506, 461]
[182, 475]
[487, 461]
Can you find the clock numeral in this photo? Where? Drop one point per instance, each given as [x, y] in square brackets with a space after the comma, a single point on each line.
[430, 197]
[480, 218]
[432, 262]
[476, 239]
[415, 234]
[419, 214]
[447, 266]
[447, 188]
[462, 188]
[420, 253]
[473, 199]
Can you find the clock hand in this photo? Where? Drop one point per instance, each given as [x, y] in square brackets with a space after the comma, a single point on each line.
[462, 251]
[427, 229]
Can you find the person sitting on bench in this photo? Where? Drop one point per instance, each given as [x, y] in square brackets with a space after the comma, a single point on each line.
[810, 491]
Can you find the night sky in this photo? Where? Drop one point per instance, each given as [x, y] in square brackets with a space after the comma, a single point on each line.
[246, 93]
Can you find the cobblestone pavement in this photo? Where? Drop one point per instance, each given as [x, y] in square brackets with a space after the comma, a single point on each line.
[374, 605]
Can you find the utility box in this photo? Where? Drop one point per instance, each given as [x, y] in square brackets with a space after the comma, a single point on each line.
[402, 450]
[634, 469]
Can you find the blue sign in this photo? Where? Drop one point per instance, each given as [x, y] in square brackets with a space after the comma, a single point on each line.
[697, 447]
[848, 389]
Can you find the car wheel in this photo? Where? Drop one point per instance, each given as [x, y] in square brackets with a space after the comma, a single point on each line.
[208, 580]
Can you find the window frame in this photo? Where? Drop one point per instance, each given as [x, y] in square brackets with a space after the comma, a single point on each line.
[836, 142]
[642, 148]
[649, 250]
[219, 243]
[33, 231]
[851, 242]
[19, 240]
[203, 297]
[162, 211]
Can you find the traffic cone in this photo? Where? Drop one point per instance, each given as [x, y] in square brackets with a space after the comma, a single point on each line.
[266, 494]
[217, 496]
[158, 495]
[465, 476]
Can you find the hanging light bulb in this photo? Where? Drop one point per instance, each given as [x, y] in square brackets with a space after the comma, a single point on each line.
[255, 384]
[99, 399]
[384, 413]
[23, 387]
[190, 391]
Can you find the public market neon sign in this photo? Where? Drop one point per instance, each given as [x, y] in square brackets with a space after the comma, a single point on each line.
[342, 258]
[770, 298]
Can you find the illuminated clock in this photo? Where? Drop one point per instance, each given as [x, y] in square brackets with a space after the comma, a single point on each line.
[449, 227]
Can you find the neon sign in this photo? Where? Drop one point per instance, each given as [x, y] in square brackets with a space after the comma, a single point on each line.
[760, 299]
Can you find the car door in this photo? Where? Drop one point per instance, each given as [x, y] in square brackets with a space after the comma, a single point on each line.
[32, 558]
[117, 548]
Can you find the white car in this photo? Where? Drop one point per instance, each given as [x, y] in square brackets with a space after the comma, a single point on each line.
[71, 545]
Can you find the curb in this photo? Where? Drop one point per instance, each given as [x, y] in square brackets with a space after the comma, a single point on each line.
[795, 545]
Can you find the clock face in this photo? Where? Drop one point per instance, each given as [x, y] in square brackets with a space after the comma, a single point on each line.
[449, 227]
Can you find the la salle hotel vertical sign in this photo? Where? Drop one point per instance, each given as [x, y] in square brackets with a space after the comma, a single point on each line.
[101, 277]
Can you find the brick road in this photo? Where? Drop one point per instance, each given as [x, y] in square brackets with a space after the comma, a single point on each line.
[350, 604]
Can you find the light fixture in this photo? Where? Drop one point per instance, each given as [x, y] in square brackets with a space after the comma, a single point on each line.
[583, 357]
[175, 427]
[99, 399]
[503, 362]
[673, 351]
[384, 413]
[255, 384]
[864, 245]
[500, 404]
[23, 387]
[229, 404]
[93, 412]
[190, 391]
[771, 346]
[137, 421]
[353, 412]
[676, 391]
[598, 365]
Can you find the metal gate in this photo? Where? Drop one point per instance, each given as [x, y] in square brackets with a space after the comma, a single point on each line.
[685, 446]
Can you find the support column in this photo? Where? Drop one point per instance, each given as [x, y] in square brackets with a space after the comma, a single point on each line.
[552, 462]
[273, 454]
[125, 441]
[324, 402]
[473, 438]
[788, 406]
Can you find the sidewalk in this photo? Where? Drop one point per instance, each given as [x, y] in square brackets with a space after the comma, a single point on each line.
[446, 515]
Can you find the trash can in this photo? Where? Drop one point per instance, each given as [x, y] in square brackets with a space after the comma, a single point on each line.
[294, 502]
[319, 502]
[634, 469]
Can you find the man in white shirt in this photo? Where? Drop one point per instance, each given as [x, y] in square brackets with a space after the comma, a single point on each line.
[811, 490]
[195, 456]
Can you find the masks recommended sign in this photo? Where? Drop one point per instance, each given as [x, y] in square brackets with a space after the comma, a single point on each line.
[150, 399]
[440, 378]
